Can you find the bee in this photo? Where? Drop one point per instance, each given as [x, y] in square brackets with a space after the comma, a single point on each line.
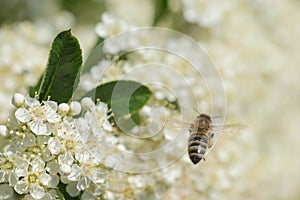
[202, 131]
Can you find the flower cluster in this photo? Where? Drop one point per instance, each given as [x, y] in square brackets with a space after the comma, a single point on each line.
[46, 149]
[74, 145]
[18, 68]
[204, 13]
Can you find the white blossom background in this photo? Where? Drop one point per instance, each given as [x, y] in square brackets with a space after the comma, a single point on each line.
[254, 45]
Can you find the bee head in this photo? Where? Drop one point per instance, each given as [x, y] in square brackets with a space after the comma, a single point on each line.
[204, 121]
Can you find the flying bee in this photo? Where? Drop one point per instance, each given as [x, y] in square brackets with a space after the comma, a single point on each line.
[202, 132]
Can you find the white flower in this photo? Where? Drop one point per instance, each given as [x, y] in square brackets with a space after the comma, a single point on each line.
[65, 138]
[110, 26]
[86, 171]
[66, 128]
[8, 163]
[205, 13]
[38, 117]
[93, 128]
[98, 118]
[83, 170]
[18, 67]
[33, 178]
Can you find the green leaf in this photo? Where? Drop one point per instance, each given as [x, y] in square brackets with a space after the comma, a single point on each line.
[123, 97]
[63, 69]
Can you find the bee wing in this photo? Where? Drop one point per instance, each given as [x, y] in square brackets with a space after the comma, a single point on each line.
[225, 131]
[230, 130]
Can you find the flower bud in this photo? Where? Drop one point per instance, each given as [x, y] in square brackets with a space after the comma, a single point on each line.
[63, 108]
[75, 107]
[87, 103]
[18, 100]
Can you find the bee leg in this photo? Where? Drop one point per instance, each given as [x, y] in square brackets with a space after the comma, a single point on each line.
[204, 159]
[210, 140]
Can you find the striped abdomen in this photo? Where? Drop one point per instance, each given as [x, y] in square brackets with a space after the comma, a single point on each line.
[197, 146]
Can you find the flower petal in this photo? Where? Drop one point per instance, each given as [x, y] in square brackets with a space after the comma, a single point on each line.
[54, 145]
[54, 181]
[45, 179]
[29, 140]
[21, 187]
[65, 169]
[81, 154]
[21, 172]
[98, 175]
[37, 165]
[66, 158]
[23, 115]
[50, 106]
[53, 118]
[13, 179]
[72, 190]
[82, 125]
[39, 127]
[52, 167]
[30, 102]
[107, 126]
[102, 107]
[46, 155]
[47, 197]
[37, 192]
[75, 174]
[21, 162]
[88, 195]
[83, 183]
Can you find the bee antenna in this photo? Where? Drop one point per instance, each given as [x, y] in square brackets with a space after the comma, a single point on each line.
[197, 111]
[216, 117]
